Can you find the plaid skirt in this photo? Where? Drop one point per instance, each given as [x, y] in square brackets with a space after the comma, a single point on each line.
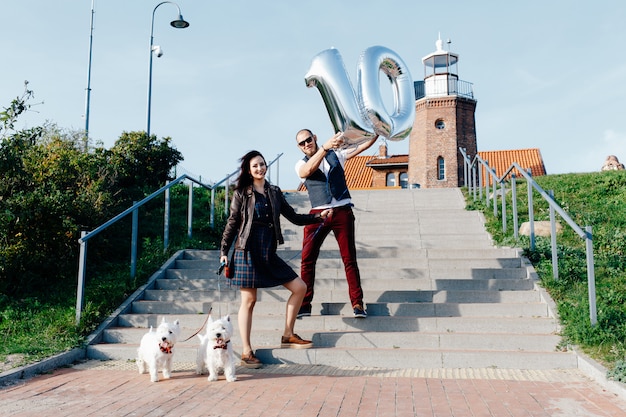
[259, 266]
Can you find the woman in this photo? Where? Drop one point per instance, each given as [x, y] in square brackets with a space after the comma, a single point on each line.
[255, 222]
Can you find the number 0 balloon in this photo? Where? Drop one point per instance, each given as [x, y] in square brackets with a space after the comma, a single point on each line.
[363, 115]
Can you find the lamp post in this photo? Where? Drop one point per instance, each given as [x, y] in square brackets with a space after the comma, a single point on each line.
[179, 23]
[88, 89]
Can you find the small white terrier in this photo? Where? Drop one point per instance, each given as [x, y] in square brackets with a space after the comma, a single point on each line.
[215, 352]
[156, 350]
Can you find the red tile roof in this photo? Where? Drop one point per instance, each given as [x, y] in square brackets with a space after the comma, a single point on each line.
[392, 160]
[359, 168]
[526, 158]
[358, 175]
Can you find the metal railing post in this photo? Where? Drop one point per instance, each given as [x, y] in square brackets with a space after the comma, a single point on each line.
[190, 211]
[591, 280]
[166, 220]
[133, 242]
[212, 210]
[531, 214]
[478, 176]
[514, 204]
[555, 257]
[503, 189]
[487, 178]
[226, 188]
[495, 195]
[80, 289]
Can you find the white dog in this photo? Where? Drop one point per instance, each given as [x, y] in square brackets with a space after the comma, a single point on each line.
[215, 352]
[156, 350]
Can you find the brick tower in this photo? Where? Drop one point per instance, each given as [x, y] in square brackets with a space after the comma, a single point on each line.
[444, 121]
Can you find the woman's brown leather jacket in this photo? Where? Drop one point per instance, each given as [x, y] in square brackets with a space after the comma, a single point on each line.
[239, 222]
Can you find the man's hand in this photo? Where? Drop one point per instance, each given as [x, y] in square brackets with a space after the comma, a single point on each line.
[335, 142]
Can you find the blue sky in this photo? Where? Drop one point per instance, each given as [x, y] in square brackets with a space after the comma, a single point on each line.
[546, 74]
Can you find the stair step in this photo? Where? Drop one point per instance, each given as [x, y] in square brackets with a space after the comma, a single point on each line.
[489, 325]
[421, 284]
[424, 309]
[371, 357]
[438, 295]
[337, 296]
[383, 340]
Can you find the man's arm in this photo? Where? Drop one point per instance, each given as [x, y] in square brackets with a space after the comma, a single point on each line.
[360, 147]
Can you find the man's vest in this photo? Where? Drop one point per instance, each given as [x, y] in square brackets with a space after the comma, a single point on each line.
[321, 189]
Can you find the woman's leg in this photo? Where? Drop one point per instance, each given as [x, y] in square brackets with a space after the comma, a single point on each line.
[248, 300]
[298, 289]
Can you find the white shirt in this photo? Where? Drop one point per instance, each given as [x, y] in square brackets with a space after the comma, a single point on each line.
[325, 167]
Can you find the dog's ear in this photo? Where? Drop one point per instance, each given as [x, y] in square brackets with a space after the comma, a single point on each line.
[177, 322]
[227, 318]
[163, 320]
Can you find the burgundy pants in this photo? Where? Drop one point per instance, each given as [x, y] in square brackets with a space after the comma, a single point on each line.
[342, 225]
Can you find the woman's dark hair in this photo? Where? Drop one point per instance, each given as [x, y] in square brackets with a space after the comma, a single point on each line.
[245, 179]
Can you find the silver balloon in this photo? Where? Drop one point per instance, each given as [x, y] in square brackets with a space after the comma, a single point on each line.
[328, 74]
[373, 60]
[363, 116]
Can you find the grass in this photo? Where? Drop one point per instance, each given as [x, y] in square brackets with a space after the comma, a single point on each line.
[597, 200]
[42, 325]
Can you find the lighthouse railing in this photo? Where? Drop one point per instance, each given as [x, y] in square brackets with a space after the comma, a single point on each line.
[445, 86]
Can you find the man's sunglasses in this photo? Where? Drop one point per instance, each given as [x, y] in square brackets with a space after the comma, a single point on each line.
[306, 141]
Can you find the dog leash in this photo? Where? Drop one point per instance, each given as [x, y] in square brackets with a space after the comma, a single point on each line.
[203, 324]
[309, 240]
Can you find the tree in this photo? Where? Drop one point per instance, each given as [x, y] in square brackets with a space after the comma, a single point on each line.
[52, 189]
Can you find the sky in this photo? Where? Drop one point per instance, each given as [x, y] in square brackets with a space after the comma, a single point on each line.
[545, 74]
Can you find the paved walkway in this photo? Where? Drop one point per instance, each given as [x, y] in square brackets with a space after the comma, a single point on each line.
[113, 388]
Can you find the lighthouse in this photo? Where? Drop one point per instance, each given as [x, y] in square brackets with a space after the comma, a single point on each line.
[444, 122]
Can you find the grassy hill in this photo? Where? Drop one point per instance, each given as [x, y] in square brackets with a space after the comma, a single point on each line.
[592, 199]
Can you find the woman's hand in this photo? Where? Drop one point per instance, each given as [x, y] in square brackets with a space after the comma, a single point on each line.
[224, 260]
[326, 213]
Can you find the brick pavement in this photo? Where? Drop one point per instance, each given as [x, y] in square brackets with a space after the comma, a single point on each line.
[116, 389]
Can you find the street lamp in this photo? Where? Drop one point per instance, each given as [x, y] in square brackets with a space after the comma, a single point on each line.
[179, 23]
[88, 89]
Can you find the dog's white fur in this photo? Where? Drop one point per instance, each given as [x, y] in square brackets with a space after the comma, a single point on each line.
[157, 349]
[215, 352]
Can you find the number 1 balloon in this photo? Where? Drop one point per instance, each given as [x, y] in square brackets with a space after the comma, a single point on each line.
[361, 116]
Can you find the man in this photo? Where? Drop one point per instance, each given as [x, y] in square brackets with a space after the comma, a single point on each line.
[322, 171]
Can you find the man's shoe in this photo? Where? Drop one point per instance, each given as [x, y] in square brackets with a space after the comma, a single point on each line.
[250, 361]
[295, 342]
[359, 311]
[305, 311]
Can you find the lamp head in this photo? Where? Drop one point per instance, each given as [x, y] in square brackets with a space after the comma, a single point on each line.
[179, 23]
[157, 51]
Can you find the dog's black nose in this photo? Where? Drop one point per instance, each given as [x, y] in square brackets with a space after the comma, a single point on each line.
[218, 335]
[164, 338]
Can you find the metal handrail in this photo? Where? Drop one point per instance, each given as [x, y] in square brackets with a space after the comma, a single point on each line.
[86, 236]
[474, 165]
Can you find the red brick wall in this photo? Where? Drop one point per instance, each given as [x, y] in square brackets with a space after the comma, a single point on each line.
[428, 143]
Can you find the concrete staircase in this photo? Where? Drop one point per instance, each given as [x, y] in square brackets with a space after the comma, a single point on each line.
[438, 295]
